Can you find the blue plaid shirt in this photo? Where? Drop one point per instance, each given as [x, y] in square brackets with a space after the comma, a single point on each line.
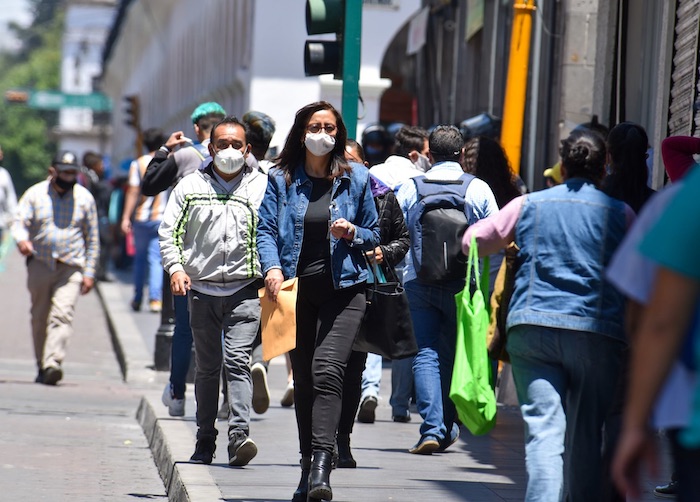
[61, 228]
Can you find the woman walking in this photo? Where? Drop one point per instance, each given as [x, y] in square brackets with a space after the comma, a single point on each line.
[565, 322]
[317, 220]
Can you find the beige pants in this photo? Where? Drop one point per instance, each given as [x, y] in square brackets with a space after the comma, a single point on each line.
[54, 295]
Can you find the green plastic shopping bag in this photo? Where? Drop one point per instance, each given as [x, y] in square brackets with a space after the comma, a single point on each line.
[470, 388]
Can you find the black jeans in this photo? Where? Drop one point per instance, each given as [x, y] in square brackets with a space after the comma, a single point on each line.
[328, 321]
[352, 391]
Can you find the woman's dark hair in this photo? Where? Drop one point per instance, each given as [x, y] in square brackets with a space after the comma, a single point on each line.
[627, 144]
[485, 159]
[294, 151]
[583, 155]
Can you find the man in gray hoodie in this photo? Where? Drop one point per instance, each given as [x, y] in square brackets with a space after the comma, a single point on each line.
[208, 246]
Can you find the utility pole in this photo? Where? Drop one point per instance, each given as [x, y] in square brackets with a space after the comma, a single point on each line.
[516, 83]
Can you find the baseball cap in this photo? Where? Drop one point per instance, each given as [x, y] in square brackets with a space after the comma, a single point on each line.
[65, 160]
[554, 172]
[206, 109]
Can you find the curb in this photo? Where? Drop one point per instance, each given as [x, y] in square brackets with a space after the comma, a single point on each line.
[184, 482]
[116, 343]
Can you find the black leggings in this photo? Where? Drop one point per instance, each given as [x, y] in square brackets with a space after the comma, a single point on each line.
[328, 321]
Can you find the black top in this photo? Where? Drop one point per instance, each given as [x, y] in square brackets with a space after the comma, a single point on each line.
[315, 256]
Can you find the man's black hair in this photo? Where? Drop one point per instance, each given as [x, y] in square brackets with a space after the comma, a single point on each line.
[229, 120]
[408, 139]
[445, 143]
[153, 138]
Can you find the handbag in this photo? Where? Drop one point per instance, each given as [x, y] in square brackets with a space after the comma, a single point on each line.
[500, 300]
[386, 328]
[470, 388]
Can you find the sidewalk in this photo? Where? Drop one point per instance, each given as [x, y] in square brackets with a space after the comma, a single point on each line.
[481, 469]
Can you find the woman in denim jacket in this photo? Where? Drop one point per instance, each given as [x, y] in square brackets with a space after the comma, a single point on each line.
[565, 321]
[316, 221]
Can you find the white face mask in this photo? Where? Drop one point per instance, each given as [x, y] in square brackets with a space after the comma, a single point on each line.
[229, 161]
[319, 143]
[422, 163]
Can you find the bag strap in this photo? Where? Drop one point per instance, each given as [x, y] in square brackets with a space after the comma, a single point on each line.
[481, 277]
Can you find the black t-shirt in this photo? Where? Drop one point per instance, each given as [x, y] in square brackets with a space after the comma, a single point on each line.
[315, 256]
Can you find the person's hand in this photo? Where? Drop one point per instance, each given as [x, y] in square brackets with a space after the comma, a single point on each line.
[343, 229]
[126, 226]
[377, 255]
[180, 283]
[634, 446]
[26, 248]
[273, 282]
[87, 285]
[177, 138]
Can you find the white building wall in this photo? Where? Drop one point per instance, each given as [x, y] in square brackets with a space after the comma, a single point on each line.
[245, 54]
[86, 27]
[175, 54]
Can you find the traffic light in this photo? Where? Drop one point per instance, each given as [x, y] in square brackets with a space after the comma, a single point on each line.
[324, 56]
[133, 112]
[340, 57]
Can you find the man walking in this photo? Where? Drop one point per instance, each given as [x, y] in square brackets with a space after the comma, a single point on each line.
[56, 229]
[432, 303]
[208, 245]
[168, 166]
[146, 213]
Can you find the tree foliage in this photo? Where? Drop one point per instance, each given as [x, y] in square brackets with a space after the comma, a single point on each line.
[25, 134]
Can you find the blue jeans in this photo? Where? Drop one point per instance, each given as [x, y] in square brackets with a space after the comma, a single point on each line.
[566, 382]
[401, 386]
[434, 315]
[181, 350]
[147, 258]
[372, 375]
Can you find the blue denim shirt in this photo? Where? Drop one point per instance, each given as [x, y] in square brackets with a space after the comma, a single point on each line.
[281, 224]
[567, 236]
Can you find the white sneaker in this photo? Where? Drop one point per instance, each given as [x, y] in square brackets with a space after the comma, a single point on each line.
[261, 392]
[288, 396]
[176, 407]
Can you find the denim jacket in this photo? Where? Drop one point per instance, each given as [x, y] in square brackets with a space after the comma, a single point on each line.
[567, 236]
[281, 224]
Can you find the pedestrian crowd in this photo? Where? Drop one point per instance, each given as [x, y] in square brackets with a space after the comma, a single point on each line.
[601, 323]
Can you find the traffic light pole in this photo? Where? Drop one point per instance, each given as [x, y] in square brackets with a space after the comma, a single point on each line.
[352, 45]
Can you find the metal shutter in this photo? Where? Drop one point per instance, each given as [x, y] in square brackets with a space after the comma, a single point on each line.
[684, 80]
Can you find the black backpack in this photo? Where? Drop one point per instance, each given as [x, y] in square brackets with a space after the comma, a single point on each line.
[436, 224]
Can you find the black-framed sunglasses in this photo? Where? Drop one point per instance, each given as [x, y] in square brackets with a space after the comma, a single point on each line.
[316, 128]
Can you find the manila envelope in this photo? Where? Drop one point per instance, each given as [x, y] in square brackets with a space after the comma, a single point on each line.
[279, 320]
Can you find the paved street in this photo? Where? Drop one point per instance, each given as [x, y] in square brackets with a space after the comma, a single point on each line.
[78, 441]
[82, 440]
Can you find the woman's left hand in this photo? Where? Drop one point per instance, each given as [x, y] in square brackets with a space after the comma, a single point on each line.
[343, 229]
[377, 255]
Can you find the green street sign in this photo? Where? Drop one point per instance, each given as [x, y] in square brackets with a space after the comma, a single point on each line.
[55, 100]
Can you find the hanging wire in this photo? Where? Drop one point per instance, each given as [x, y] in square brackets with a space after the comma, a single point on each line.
[543, 24]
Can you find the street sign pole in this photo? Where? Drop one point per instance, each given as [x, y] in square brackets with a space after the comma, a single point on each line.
[352, 45]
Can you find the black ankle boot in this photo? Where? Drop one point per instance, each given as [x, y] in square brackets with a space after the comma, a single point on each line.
[319, 483]
[345, 460]
[303, 489]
